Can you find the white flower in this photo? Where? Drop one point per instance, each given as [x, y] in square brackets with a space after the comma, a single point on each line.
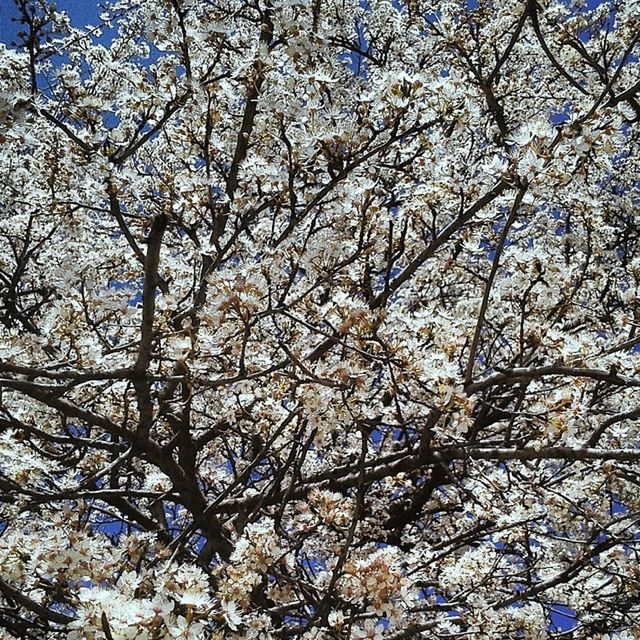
[370, 631]
[531, 165]
[232, 616]
[186, 631]
[162, 607]
[336, 619]
[193, 598]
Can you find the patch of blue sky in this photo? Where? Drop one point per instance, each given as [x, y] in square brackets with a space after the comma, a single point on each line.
[131, 287]
[355, 60]
[197, 543]
[561, 116]
[86, 16]
[406, 433]
[386, 432]
[608, 23]
[292, 620]
[79, 11]
[420, 481]
[377, 437]
[562, 618]
[112, 527]
[261, 472]
[312, 565]
[618, 507]
[63, 608]
[178, 518]
[77, 430]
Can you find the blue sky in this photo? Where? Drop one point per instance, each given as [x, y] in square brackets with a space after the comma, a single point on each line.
[84, 12]
[81, 12]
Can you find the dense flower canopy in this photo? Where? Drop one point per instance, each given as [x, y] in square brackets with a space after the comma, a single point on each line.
[318, 319]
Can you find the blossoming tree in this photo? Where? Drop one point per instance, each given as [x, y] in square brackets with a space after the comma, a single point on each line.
[318, 320]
